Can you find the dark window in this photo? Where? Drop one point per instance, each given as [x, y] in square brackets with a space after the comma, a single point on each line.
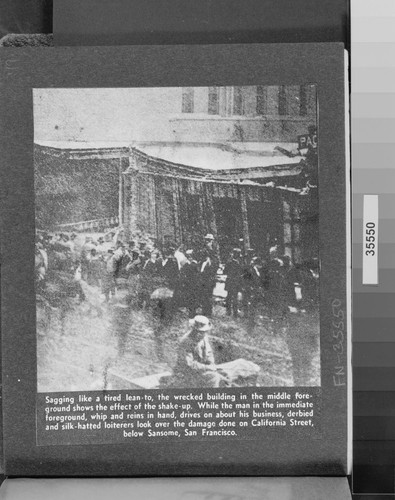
[213, 101]
[261, 100]
[303, 100]
[238, 101]
[187, 100]
[282, 101]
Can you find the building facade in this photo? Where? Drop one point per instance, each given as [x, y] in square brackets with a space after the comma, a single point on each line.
[200, 160]
[249, 114]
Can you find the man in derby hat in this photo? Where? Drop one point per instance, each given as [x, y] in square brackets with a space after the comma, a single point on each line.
[195, 362]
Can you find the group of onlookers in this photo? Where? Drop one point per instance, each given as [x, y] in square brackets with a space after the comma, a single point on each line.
[172, 277]
[274, 285]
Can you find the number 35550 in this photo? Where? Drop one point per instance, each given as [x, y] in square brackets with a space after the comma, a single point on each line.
[370, 239]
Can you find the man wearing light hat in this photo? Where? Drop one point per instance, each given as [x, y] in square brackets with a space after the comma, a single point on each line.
[208, 263]
[209, 240]
[210, 246]
[195, 361]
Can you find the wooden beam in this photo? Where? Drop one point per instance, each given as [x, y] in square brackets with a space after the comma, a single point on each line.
[244, 218]
[176, 211]
[120, 188]
[208, 198]
[158, 208]
[152, 200]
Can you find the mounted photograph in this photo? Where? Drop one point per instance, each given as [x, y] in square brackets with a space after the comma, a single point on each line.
[177, 237]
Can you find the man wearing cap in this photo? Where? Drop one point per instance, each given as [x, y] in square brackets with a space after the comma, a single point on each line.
[195, 361]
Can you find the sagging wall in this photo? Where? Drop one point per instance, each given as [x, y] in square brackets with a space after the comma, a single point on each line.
[182, 210]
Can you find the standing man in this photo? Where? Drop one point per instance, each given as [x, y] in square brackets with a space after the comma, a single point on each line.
[303, 320]
[109, 267]
[208, 272]
[169, 269]
[210, 247]
[234, 283]
[169, 277]
[189, 284]
[254, 282]
[101, 248]
[149, 279]
[95, 267]
[180, 256]
[85, 256]
[70, 243]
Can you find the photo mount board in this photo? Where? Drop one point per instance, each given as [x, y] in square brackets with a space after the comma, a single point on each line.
[25, 69]
[296, 488]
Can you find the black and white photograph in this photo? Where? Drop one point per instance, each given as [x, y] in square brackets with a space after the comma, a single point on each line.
[177, 237]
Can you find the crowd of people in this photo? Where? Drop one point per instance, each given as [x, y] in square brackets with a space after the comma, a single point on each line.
[171, 277]
[162, 280]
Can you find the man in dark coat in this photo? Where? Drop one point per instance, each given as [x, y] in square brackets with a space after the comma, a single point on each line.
[168, 269]
[208, 272]
[149, 279]
[189, 284]
[302, 287]
[233, 271]
[169, 279]
[254, 280]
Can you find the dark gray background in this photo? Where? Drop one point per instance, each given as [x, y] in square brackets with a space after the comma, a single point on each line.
[126, 22]
[21, 16]
[24, 69]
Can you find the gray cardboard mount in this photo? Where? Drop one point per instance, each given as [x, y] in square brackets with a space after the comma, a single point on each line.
[26, 68]
[131, 22]
[298, 488]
